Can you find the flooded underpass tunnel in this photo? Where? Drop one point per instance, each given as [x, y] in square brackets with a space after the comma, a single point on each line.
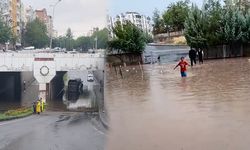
[55, 91]
[10, 90]
[75, 91]
[20, 89]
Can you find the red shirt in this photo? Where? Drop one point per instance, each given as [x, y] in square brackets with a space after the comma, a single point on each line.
[183, 65]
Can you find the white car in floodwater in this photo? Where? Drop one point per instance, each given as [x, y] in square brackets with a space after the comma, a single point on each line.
[90, 77]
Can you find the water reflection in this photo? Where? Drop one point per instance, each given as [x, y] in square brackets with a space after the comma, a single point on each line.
[159, 110]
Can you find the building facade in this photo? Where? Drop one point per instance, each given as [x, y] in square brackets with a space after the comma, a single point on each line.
[141, 21]
[30, 14]
[46, 19]
[14, 13]
[10, 13]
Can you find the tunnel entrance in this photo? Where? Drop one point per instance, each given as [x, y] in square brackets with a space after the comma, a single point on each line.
[55, 92]
[10, 90]
[20, 89]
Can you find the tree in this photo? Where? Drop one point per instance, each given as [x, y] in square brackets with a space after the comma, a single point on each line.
[102, 38]
[213, 12]
[69, 33]
[217, 26]
[232, 31]
[84, 43]
[5, 32]
[69, 43]
[128, 39]
[175, 16]
[36, 34]
[233, 24]
[158, 26]
[148, 38]
[195, 28]
[246, 29]
[13, 40]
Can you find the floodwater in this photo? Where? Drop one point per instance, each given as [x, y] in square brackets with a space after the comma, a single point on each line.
[158, 110]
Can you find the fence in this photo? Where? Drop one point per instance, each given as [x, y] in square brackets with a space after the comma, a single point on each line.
[226, 51]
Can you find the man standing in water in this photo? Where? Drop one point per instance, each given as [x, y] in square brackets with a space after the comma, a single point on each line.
[192, 56]
[200, 56]
[183, 67]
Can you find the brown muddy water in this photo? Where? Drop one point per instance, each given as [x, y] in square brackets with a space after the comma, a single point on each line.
[158, 110]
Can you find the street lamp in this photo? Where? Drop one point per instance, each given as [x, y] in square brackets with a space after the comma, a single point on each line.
[53, 17]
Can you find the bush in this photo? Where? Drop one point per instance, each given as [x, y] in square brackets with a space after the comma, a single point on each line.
[14, 114]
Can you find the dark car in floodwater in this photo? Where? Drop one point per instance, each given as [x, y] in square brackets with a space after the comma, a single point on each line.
[75, 88]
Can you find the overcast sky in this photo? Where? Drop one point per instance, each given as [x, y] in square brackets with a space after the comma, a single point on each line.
[142, 6]
[80, 15]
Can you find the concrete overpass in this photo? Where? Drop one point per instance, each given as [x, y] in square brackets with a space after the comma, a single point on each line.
[44, 65]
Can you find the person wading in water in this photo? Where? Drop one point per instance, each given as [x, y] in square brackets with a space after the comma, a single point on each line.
[183, 67]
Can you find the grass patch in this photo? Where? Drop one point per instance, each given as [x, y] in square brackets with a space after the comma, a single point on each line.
[15, 114]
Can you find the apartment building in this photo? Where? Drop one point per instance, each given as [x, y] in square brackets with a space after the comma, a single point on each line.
[30, 14]
[141, 21]
[11, 14]
[46, 19]
[16, 15]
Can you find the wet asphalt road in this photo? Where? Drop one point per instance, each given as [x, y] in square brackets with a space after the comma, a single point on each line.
[53, 131]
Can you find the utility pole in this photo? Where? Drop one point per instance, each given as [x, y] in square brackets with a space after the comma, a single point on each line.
[96, 39]
[52, 22]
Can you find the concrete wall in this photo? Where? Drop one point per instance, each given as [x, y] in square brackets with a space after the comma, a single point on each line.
[129, 59]
[99, 89]
[56, 87]
[30, 89]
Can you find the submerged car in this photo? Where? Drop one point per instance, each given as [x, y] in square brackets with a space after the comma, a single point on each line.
[75, 88]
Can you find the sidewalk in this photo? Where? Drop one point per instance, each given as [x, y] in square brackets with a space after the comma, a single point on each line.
[99, 92]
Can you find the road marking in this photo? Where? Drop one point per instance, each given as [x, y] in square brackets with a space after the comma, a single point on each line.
[9, 122]
[98, 130]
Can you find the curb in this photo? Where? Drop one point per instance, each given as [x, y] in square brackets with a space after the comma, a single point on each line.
[102, 112]
[104, 123]
[16, 117]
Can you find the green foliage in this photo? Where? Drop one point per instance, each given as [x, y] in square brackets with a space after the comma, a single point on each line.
[5, 32]
[158, 26]
[148, 38]
[36, 34]
[14, 114]
[233, 25]
[102, 38]
[128, 39]
[13, 39]
[82, 43]
[213, 12]
[174, 17]
[246, 29]
[215, 25]
[69, 33]
[195, 27]
[69, 43]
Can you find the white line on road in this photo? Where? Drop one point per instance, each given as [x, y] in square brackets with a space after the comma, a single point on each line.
[98, 130]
